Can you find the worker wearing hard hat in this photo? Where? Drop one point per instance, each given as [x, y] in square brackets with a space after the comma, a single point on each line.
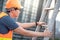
[8, 25]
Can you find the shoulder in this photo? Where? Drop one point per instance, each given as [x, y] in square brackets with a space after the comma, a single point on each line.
[9, 22]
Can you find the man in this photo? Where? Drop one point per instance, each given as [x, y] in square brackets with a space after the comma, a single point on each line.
[8, 25]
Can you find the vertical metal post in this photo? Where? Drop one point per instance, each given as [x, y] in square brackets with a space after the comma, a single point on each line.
[51, 21]
[43, 16]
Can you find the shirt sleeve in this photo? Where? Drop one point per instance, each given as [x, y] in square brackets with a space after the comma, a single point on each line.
[9, 22]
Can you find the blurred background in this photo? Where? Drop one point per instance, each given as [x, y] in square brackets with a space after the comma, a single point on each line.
[31, 12]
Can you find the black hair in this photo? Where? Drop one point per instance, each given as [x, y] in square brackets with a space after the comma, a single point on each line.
[10, 9]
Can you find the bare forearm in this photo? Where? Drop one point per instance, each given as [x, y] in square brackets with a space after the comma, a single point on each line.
[27, 25]
[32, 33]
[24, 32]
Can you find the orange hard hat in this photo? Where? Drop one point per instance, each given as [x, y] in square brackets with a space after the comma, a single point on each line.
[13, 4]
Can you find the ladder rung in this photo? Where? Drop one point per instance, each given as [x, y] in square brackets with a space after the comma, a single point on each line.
[49, 9]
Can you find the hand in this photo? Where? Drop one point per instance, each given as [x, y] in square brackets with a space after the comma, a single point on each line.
[47, 33]
[41, 23]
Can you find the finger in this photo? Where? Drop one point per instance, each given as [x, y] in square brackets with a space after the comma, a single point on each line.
[50, 34]
[46, 29]
[44, 25]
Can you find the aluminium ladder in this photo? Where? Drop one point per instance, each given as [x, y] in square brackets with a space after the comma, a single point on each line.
[51, 21]
[43, 15]
[56, 9]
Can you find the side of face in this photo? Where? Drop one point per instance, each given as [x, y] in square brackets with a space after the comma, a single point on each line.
[14, 13]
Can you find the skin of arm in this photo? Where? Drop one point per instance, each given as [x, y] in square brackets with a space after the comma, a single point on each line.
[22, 31]
[28, 25]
